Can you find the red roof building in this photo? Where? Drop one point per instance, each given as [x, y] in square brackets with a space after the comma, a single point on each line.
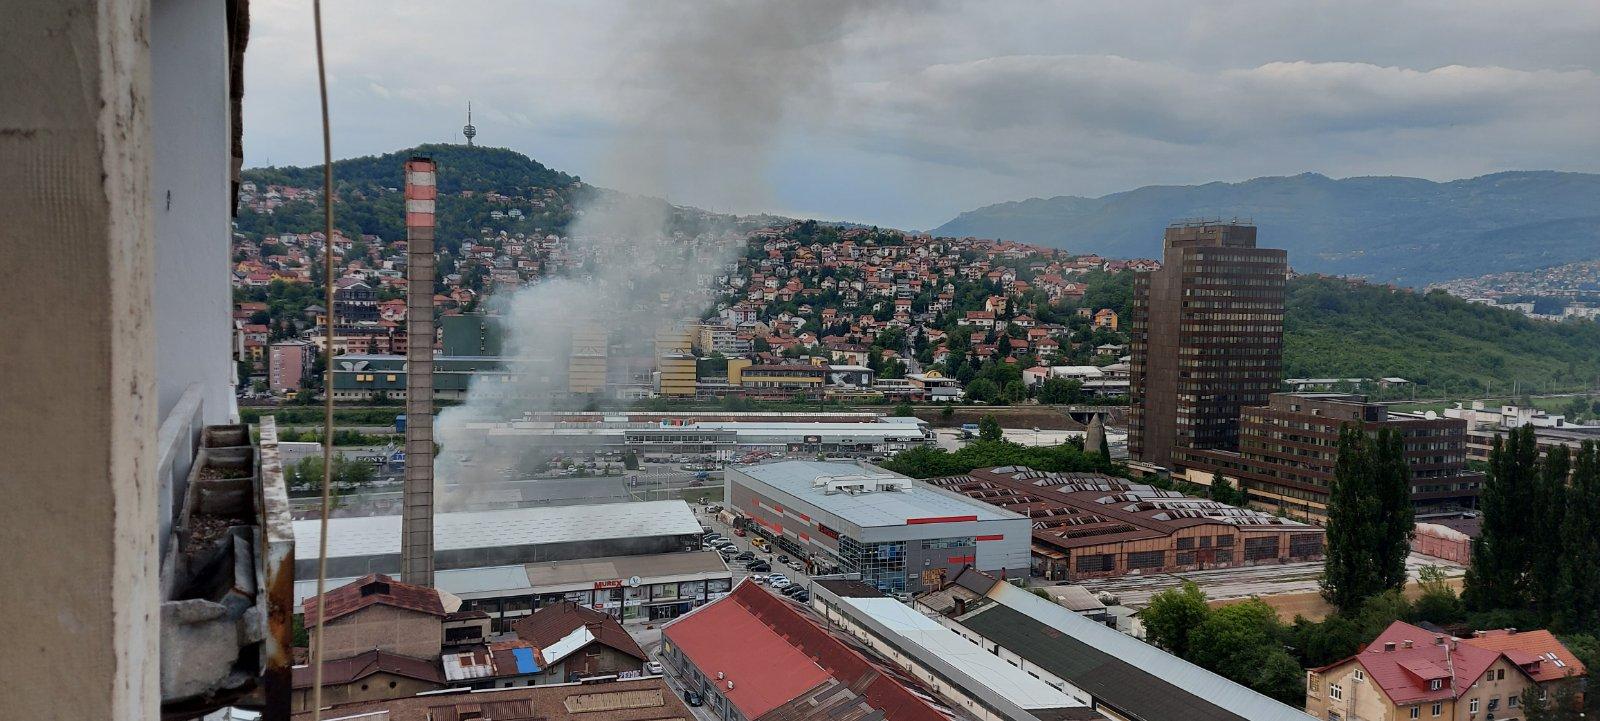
[769, 657]
[1417, 673]
[371, 589]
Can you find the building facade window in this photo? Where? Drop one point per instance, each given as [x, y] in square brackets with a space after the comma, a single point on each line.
[1335, 691]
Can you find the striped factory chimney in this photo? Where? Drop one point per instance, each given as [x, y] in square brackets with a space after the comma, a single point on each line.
[416, 525]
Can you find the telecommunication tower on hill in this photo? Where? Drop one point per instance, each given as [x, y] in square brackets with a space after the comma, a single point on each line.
[469, 130]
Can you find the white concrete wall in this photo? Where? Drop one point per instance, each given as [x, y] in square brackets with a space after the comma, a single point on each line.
[77, 382]
[191, 202]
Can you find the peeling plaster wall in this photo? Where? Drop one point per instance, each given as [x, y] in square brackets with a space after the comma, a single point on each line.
[77, 380]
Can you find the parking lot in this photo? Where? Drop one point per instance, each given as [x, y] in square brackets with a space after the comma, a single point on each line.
[791, 572]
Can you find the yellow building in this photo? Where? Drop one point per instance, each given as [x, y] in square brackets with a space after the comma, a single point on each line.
[675, 363]
[586, 365]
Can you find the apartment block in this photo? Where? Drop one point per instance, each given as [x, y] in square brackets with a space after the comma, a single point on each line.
[1288, 448]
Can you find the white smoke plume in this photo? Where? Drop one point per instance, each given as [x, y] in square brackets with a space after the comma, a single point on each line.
[711, 87]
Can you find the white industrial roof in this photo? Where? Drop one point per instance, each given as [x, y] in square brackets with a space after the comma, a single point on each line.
[871, 509]
[380, 535]
[933, 639]
[491, 581]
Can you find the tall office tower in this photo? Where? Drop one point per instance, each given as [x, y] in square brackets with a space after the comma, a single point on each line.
[586, 363]
[416, 521]
[1207, 339]
[675, 362]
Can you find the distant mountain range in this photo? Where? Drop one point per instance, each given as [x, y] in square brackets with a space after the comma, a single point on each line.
[1407, 231]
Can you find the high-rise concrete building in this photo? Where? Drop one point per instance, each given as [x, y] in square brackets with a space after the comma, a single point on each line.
[416, 530]
[1207, 339]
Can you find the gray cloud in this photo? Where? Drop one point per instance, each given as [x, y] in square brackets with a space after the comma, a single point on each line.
[908, 115]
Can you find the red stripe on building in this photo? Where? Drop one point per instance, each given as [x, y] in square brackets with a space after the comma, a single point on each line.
[805, 538]
[939, 519]
[804, 517]
[994, 537]
[962, 559]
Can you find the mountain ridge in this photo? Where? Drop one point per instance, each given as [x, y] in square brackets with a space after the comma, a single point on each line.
[1386, 228]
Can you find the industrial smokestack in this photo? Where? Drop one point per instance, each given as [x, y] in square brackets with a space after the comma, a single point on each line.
[416, 525]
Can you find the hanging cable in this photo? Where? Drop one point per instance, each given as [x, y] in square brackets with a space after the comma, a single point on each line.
[327, 371]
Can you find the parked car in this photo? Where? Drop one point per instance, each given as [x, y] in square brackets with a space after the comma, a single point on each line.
[793, 589]
[746, 556]
[653, 668]
[778, 582]
[692, 698]
[739, 532]
[783, 559]
[758, 566]
[802, 596]
[779, 575]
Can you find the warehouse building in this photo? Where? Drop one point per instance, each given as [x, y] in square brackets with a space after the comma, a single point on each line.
[1091, 525]
[901, 535]
[964, 674]
[722, 438]
[1120, 676]
[631, 560]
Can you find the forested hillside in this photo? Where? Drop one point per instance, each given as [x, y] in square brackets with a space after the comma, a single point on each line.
[473, 184]
[1336, 328]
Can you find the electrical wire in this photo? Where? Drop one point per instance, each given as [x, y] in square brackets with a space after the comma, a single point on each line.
[327, 371]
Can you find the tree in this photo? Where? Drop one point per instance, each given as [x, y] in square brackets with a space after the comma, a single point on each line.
[1334, 638]
[1243, 642]
[1350, 573]
[1437, 603]
[1015, 392]
[630, 460]
[1173, 614]
[1224, 492]
[948, 412]
[1396, 519]
[1055, 391]
[1541, 703]
[1550, 500]
[989, 429]
[904, 410]
[1501, 556]
[982, 390]
[1578, 606]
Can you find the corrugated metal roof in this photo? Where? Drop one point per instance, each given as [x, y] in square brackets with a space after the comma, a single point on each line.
[1119, 670]
[934, 641]
[495, 580]
[380, 535]
[872, 509]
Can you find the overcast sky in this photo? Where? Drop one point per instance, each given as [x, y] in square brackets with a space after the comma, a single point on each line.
[905, 114]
